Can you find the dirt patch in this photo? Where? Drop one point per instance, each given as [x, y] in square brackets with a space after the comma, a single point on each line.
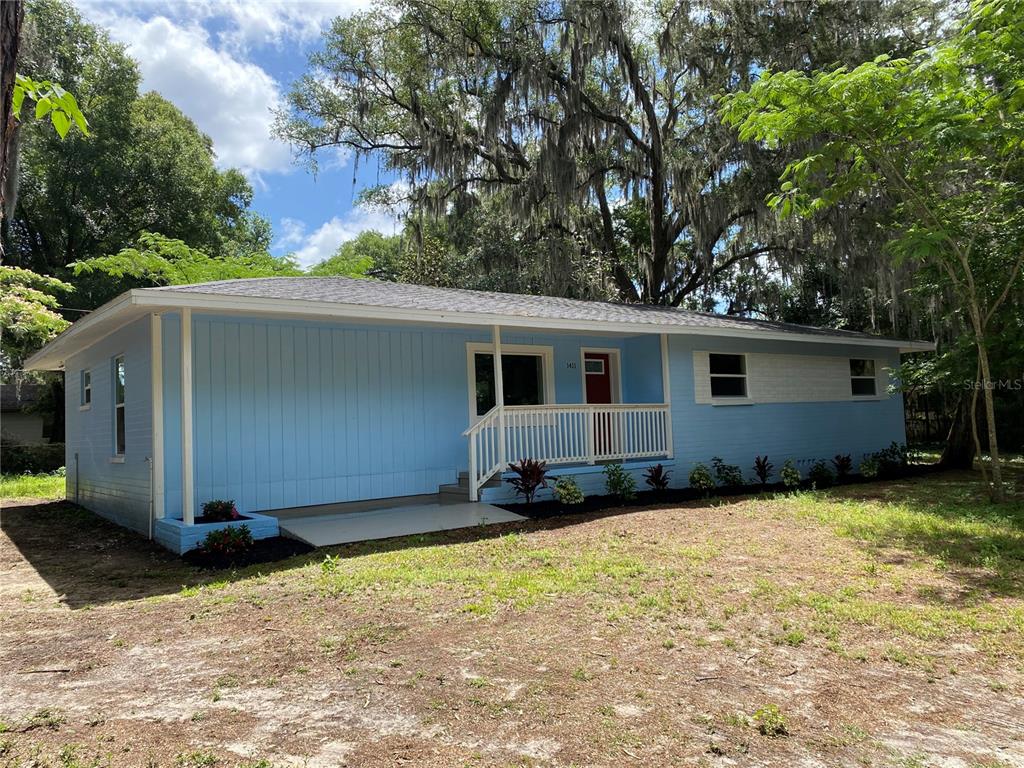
[654, 637]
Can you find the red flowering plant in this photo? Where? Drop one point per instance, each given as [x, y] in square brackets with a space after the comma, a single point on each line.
[228, 542]
[220, 511]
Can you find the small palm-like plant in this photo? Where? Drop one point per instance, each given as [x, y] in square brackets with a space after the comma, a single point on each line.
[763, 469]
[530, 476]
[657, 477]
[843, 464]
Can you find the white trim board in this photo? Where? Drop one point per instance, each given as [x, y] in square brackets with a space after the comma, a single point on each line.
[138, 301]
[547, 362]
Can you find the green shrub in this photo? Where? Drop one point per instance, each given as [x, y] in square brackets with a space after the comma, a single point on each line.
[869, 467]
[892, 461]
[618, 482]
[31, 459]
[843, 464]
[701, 479]
[821, 475]
[220, 511]
[790, 474]
[727, 474]
[228, 542]
[567, 491]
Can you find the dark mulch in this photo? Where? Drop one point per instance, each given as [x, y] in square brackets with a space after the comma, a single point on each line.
[205, 519]
[263, 551]
[541, 510]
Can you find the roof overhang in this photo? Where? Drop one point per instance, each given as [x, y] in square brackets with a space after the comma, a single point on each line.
[138, 302]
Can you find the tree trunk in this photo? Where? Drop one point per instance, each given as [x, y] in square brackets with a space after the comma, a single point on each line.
[990, 418]
[12, 13]
[958, 452]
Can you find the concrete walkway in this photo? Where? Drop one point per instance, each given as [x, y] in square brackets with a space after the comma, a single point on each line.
[325, 530]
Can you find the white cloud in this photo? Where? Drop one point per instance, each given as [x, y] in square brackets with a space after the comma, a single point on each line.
[231, 100]
[324, 241]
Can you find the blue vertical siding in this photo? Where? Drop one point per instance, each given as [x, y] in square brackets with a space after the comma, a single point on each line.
[117, 491]
[293, 413]
[803, 432]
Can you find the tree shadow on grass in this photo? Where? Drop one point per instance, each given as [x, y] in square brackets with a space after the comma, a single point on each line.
[89, 561]
[946, 516]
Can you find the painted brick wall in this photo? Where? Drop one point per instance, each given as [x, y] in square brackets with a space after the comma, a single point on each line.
[117, 491]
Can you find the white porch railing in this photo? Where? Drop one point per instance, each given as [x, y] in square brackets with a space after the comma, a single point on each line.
[565, 434]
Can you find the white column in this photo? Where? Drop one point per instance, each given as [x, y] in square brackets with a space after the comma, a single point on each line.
[187, 469]
[499, 395]
[666, 394]
[157, 376]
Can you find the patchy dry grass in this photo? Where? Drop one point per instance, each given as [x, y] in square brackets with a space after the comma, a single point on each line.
[20, 487]
[877, 625]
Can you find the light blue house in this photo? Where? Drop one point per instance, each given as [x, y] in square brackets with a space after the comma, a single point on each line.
[284, 393]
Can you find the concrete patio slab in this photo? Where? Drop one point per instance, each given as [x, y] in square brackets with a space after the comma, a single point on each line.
[325, 530]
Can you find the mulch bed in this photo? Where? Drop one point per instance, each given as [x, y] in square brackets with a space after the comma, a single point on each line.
[263, 551]
[541, 510]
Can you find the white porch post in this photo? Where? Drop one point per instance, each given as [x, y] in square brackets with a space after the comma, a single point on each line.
[157, 376]
[187, 501]
[499, 395]
[666, 394]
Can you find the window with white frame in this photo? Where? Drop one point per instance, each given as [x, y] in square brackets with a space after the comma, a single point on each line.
[86, 393]
[862, 378]
[526, 372]
[728, 375]
[119, 405]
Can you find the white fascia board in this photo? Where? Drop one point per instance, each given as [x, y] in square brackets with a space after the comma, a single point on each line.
[303, 307]
[106, 320]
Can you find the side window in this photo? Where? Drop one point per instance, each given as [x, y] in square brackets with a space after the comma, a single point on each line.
[119, 405]
[728, 375]
[86, 394]
[862, 378]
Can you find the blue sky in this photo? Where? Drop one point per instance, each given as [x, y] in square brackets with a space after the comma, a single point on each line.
[227, 64]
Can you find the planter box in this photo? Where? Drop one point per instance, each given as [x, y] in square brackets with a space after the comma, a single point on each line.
[180, 538]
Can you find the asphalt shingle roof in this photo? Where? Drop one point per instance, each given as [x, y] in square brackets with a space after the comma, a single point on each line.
[376, 293]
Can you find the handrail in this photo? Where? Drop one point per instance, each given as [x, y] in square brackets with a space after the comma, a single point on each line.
[577, 433]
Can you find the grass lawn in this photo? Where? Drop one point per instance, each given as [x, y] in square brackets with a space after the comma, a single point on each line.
[878, 624]
[21, 487]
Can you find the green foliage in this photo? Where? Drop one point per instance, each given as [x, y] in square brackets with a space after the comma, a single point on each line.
[869, 467]
[530, 476]
[49, 99]
[619, 483]
[144, 167]
[47, 485]
[790, 474]
[567, 491]
[726, 474]
[657, 477]
[159, 260]
[701, 479]
[32, 459]
[892, 461]
[368, 254]
[843, 464]
[763, 469]
[28, 304]
[228, 542]
[821, 475]
[220, 511]
[770, 721]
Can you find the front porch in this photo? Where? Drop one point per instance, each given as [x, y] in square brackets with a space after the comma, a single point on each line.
[598, 430]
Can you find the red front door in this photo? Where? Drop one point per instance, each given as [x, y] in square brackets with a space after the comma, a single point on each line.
[597, 377]
[597, 372]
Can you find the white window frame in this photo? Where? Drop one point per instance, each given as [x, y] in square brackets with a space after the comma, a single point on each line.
[118, 456]
[872, 378]
[613, 359]
[547, 367]
[85, 389]
[745, 397]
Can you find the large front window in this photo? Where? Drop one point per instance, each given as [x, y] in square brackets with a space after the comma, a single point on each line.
[522, 378]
